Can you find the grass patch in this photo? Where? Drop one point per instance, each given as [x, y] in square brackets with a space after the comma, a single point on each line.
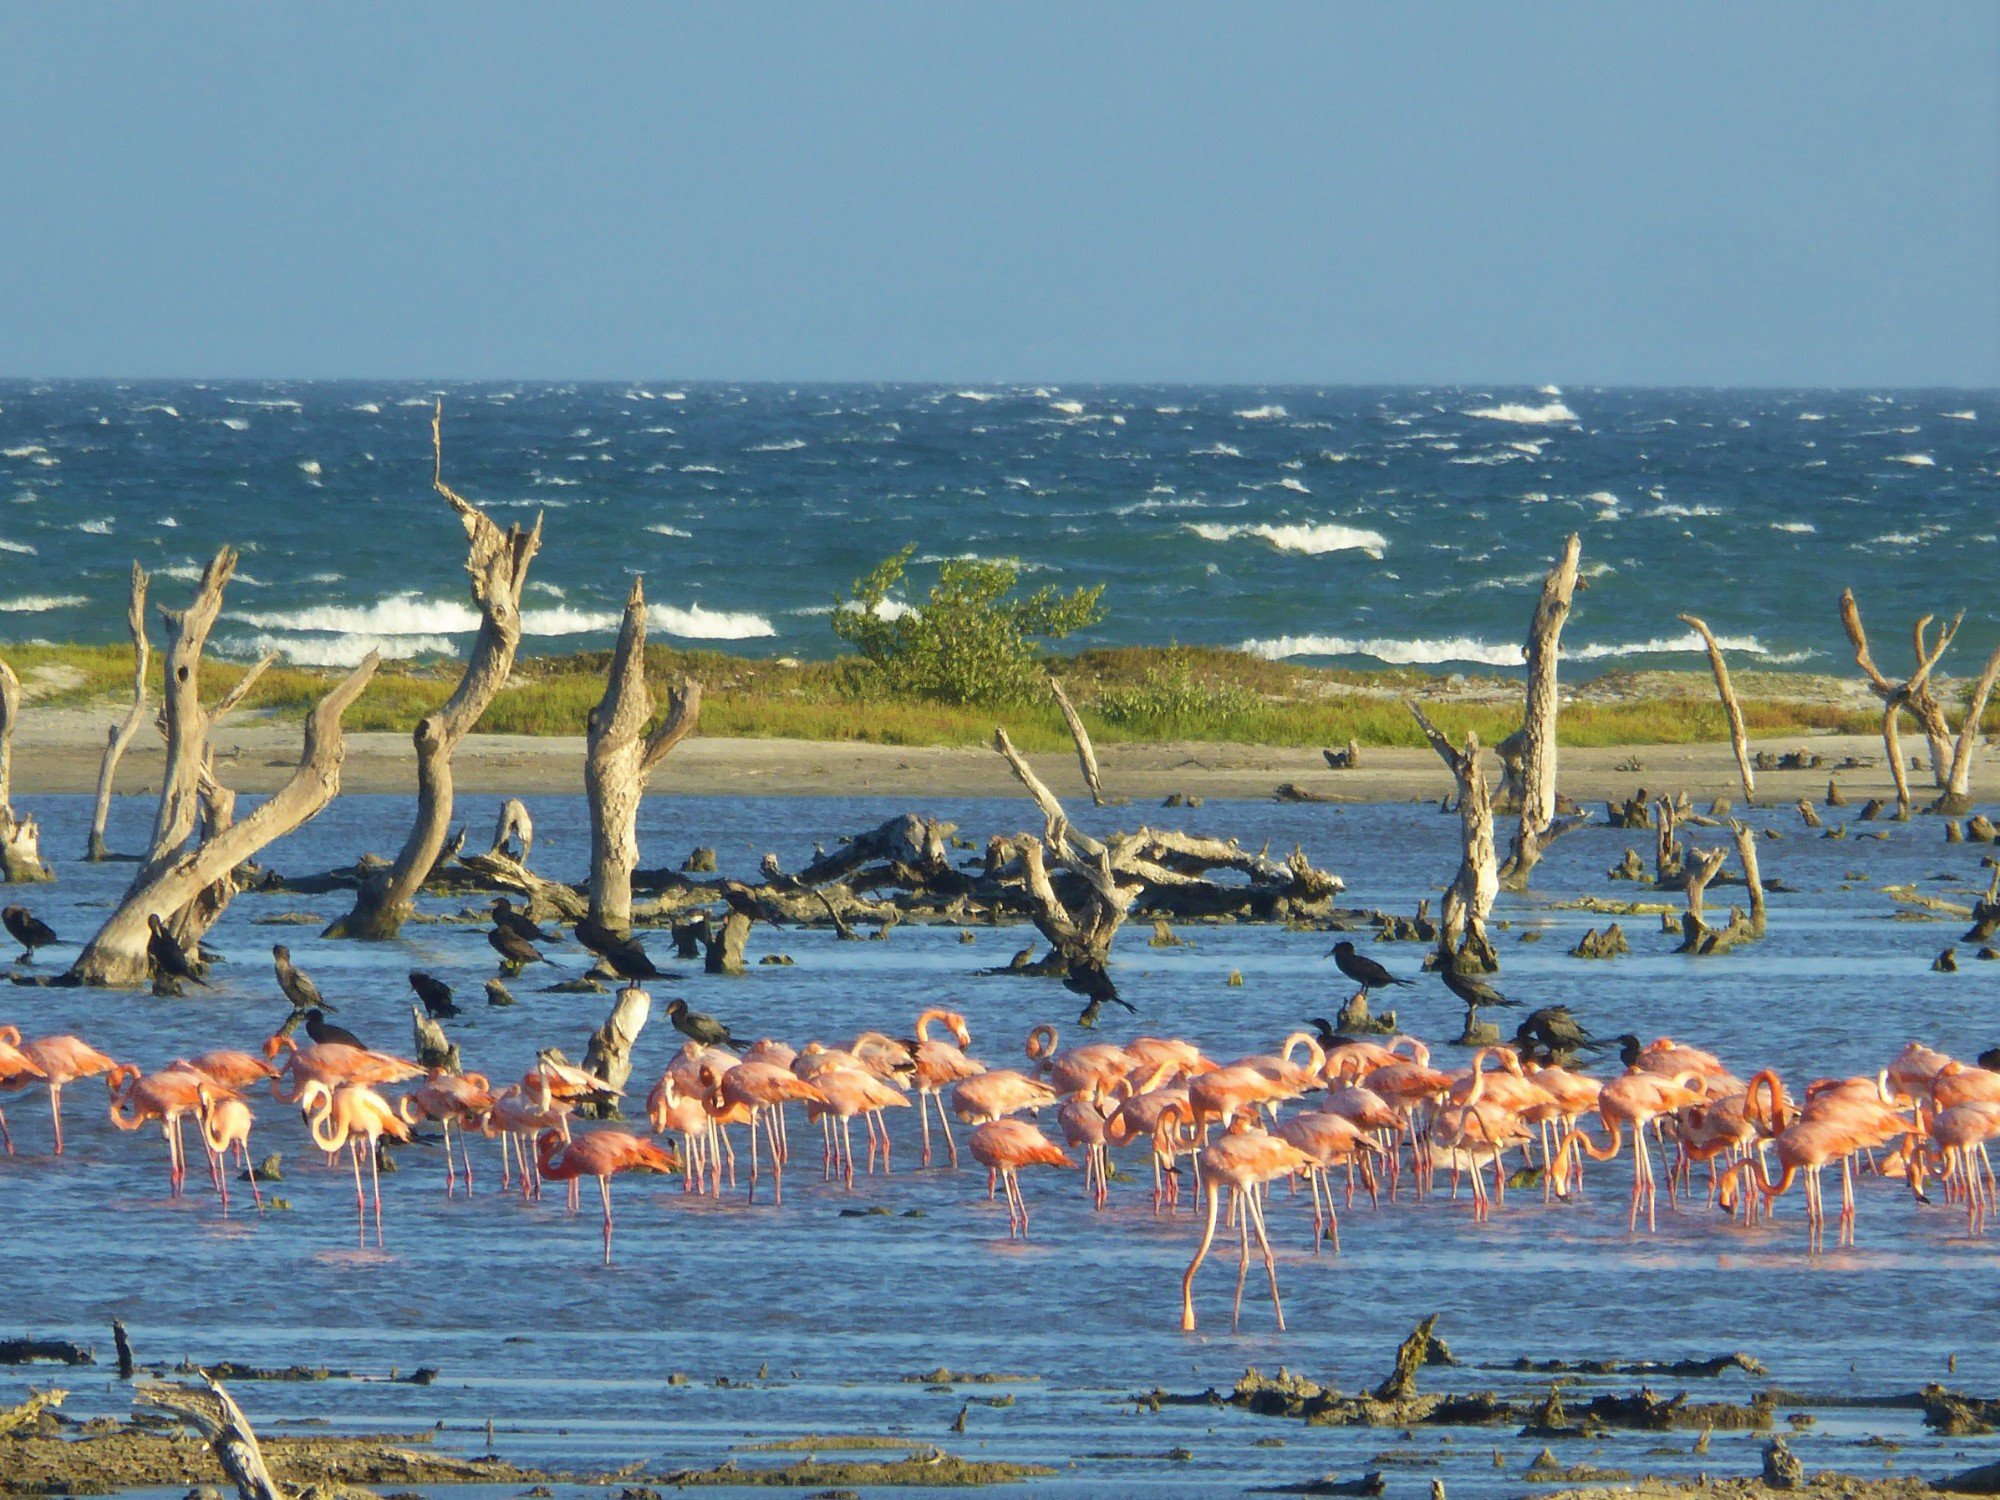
[1133, 694]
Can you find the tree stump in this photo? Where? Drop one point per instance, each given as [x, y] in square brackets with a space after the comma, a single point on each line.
[1536, 786]
[609, 1054]
[20, 838]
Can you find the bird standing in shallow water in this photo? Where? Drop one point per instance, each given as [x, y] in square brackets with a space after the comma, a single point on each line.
[1003, 1147]
[520, 923]
[600, 1154]
[515, 951]
[27, 929]
[1362, 969]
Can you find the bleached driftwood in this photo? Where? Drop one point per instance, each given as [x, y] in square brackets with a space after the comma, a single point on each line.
[1536, 741]
[497, 562]
[514, 826]
[620, 758]
[1739, 739]
[1083, 937]
[1462, 939]
[1913, 694]
[173, 878]
[1086, 757]
[119, 738]
[1956, 797]
[609, 1054]
[1746, 855]
[20, 838]
[222, 1425]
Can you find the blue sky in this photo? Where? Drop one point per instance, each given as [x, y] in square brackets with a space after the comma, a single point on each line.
[1717, 194]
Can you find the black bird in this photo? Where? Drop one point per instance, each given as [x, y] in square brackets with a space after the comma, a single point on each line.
[520, 923]
[29, 930]
[496, 993]
[298, 987]
[168, 956]
[1363, 970]
[1990, 1059]
[1328, 1037]
[1629, 1048]
[1552, 1034]
[515, 951]
[697, 1027]
[621, 954]
[325, 1033]
[1473, 990]
[435, 994]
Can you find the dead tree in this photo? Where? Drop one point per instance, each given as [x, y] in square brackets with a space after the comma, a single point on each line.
[609, 1054]
[1536, 740]
[1082, 937]
[1739, 739]
[1462, 940]
[498, 564]
[172, 878]
[20, 838]
[1746, 854]
[619, 759]
[1913, 695]
[1957, 795]
[222, 1425]
[513, 826]
[1085, 756]
[120, 734]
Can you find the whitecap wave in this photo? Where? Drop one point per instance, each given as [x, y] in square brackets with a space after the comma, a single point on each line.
[1535, 416]
[789, 445]
[1262, 414]
[159, 407]
[1914, 460]
[1604, 498]
[369, 409]
[1799, 528]
[1548, 390]
[407, 616]
[286, 404]
[1312, 540]
[1685, 512]
[340, 650]
[21, 547]
[699, 623]
[976, 395]
[1216, 450]
[234, 424]
[28, 450]
[1400, 653]
[39, 604]
[310, 468]
[1069, 408]
[1294, 485]
[101, 527]
[1960, 416]
[700, 469]
[665, 530]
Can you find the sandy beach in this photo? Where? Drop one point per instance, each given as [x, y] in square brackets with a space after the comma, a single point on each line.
[58, 750]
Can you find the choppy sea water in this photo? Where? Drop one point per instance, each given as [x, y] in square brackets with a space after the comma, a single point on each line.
[572, 1361]
[1350, 525]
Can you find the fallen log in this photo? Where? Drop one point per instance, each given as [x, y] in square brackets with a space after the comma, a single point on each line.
[228, 1433]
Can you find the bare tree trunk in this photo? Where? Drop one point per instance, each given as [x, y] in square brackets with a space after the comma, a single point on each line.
[1462, 940]
[609, 1054]
[1538, 722]
[498, 562]
[1957, 796]
[1667, 850]
[620, 758]
[20, 838]
[1085, 756]
[1746, 853]
[1707, 864]
[121, 733]
[1914, 694]
[1083, 939]
[435, 1050]
[1739, 739]
[171, 881]
[226, 1430]
[513, 826]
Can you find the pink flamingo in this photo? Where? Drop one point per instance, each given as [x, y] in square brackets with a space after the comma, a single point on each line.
[939, 1064]
[1004, 1147]
[600, 1154]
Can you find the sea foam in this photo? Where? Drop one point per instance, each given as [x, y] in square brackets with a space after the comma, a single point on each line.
[1548, 413]
[40, 604]
[1312, 540]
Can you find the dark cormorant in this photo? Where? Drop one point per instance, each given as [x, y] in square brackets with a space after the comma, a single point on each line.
[298, 988]
[29, 930]
[168, 956]
[435, 994]
[520, 923]
[325, 1033]
[1363, 970]
[699, 1028]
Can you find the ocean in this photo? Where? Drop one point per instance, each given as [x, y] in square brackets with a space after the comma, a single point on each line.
[1352, 526]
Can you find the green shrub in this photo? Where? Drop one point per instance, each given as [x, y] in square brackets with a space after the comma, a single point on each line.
[969, 642]
[1171, 699]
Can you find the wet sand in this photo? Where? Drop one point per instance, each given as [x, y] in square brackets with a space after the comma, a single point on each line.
[59, 751]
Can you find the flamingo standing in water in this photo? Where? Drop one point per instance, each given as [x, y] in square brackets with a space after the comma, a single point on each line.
[1331, 1140]
[600, 1154]
[1959, 1135]
[1242, 1162]
[939, 1064]
[63, 1060]
[849, 1092]
[675, 1113]
[1085, 1125]
[17, 1070]
[346, 1116]
[519, 1112]
[1003, 1147]
[168, 1096]
[225, 1122]
[761, 1091]
[1634, 1099]
[450, 1099]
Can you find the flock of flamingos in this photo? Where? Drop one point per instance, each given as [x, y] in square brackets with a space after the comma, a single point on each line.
[1379, 1115]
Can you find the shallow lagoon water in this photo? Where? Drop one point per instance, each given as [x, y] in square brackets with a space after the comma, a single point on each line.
[571, 1361]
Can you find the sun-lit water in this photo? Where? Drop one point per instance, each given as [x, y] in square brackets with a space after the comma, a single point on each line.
[1356, 525]
[572, 1361]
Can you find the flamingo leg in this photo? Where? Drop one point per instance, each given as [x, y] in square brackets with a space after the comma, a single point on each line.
[1200, 1254]
[1270, 1261]
[604, 1188]
[6, 1134]
[375, 1179]
[1240, 1206]
[55, 1109]
[847, 1143]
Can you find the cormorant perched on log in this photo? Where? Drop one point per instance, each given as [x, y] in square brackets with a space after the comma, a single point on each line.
[520, 923]
[1990, 1059]
[435, 994]
[325, 1033]
[29, 930]
[168, 957]
[621, 954]
[298, 987]
[1363, 970]
[1552, 1035]
[1473, 990]
[515, 951]
[697, 1027]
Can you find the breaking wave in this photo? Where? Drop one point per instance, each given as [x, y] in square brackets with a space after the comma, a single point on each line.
[1428, 651]
[40, 604]
[1547, 414]
[1313, 541]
